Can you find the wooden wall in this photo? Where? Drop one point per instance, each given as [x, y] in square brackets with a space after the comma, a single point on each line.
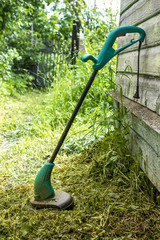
[145, 14]
[144, 113]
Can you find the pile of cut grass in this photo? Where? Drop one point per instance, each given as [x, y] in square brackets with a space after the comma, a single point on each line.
[111, 201]
[104, 209]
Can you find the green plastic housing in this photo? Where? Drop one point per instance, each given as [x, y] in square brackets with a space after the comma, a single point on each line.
[43, 189]
[107, 52]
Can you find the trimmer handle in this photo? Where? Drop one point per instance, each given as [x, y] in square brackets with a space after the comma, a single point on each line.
[107, 52]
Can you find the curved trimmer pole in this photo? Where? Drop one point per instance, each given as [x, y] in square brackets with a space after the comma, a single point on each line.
[106, 53]
[43, 188]
[64, 134]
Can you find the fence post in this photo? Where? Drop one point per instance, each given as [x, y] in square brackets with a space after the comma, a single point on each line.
[75, 41]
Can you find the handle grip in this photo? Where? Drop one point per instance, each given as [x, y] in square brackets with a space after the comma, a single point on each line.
[107, 52]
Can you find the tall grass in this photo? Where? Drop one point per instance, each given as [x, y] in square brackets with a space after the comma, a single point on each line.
[66, 90]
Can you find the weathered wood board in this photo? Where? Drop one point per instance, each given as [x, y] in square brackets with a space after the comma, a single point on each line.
[152, 29]
[149, 61]
[150, 161]
[146, 136]
[148, 13]
[149, 76]
[125, 4]
[142, 112]
[149, 90]
[140, 12]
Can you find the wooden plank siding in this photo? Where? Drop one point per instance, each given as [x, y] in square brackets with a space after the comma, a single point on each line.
[149, 56]
[125, 5]
[152, 29]
[145, 131]
[149, 61]
[149, 92]
[142, 112]
[139, 12]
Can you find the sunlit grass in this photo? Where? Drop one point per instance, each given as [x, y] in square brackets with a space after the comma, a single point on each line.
[94, 165]
[104, 179]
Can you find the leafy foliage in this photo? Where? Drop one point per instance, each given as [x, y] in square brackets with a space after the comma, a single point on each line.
[27, 45]
[11, 83]
[17, 49]
[18, 37]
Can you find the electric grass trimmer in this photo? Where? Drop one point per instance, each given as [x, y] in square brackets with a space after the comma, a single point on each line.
[45, 196]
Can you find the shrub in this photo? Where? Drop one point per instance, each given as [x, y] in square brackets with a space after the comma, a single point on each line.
[11, 83]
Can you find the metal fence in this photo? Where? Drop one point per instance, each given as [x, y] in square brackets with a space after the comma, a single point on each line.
[49, 57]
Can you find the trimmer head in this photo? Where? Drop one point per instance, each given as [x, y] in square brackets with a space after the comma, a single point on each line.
[61, 201]
[44, 194]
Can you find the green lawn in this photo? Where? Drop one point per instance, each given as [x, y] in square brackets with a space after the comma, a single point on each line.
[111, 200]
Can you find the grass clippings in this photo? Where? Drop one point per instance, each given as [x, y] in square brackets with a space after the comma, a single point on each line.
[111, 202]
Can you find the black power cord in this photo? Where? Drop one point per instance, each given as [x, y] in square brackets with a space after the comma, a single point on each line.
[136, 95]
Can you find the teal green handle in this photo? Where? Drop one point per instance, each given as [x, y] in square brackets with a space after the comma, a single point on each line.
[107, 52]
